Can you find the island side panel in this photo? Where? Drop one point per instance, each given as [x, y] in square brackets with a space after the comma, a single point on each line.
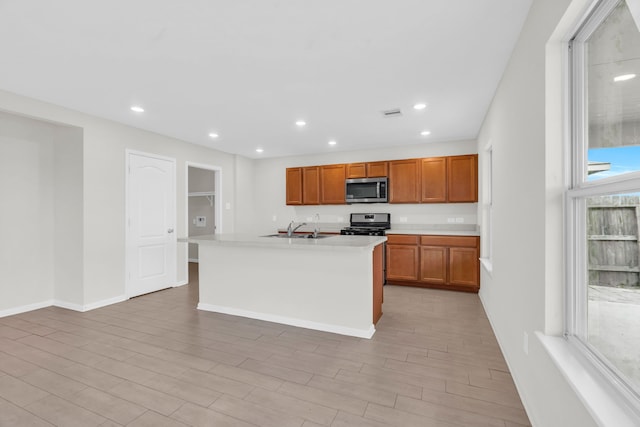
[319, 289]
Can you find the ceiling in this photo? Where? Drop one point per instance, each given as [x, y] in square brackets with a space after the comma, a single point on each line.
[247, 70]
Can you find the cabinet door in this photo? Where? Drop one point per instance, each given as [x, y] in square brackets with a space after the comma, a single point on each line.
[377, 169]
[463, 266]
[433, 264]
[357, 170]
[310, 186]
[402, 262]
[332, 184]
[294, 186]
[462, 178]
[404, 184]
[434, 180]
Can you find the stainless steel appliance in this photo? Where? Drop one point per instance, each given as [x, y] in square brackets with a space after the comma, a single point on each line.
[367, 224]
[370, 224]
[366, 190]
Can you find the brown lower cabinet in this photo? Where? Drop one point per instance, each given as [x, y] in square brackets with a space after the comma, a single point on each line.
[430, 261]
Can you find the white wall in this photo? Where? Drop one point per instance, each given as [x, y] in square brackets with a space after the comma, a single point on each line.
[527, 247]
[27, 188]
[103, 159]
[68, 217]
[270, 178]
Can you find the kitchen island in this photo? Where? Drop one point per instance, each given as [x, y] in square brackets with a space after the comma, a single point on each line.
[332, 284]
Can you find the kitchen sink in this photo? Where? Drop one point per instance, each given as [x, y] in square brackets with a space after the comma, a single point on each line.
[298, 236]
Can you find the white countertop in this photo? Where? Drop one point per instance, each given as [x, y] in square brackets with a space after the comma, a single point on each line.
[334, 242]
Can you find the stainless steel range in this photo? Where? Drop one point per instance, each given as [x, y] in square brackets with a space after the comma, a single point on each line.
[367, 224]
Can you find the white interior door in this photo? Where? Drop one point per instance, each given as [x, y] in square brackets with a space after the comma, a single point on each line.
[151, 211]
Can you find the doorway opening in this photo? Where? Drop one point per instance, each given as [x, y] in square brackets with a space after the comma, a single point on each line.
[203, 207]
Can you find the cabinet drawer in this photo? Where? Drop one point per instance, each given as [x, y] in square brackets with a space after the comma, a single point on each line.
[456, 241]
[402, 239]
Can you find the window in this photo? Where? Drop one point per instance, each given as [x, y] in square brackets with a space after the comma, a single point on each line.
[603, 201]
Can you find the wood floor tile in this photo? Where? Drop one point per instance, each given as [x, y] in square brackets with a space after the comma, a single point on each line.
[376, 383]
[182, 389]
[146, 397]
[276, 371]
[153, 419]
[196, 416]
[54, 383]
[19, 392]
[368, 394]
[330, 399]
[156, 360]
[107, 405]
[247, 376]
[458, 416]
[60, 412]
[12, 415]
[395, 417]
[255, 414]
[217, 383]
[301, 408]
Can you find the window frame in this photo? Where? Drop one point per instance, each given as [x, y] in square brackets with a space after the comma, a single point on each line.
[578, 191]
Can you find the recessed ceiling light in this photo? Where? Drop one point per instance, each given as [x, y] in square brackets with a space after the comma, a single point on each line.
[213, 135]
[301, 123]
[332, 142]
[259, 150]
[137, 109]
[624, 77]
[420, 106]
[425, 133]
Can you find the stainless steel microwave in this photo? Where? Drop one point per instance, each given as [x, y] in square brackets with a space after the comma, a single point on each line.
[366, 190]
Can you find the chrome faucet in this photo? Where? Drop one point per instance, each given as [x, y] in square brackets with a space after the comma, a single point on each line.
[291, 229]
[316, 227]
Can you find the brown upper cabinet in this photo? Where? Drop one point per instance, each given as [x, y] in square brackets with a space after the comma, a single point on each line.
[452, 179]
[447, 179]
[367, 170]
[303, 186]
[462, 178]
[434, 180]
[311, 185]
[294, 186]
[332, 184]
[404, 181]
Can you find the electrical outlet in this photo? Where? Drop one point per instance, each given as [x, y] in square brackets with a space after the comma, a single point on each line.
[201, 221]
[403, 219]
[227, 206]
[309, 218]
[525, 343]
[459, 219]
[451, 220]
[274, 218]
[340, 219]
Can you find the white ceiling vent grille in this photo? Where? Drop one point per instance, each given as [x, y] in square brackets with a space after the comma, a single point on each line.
[392, 113]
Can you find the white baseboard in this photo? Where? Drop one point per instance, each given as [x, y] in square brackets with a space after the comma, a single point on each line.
[105, 302]
[25, 308]
[181, 283]
[326, 327]
[88, 307]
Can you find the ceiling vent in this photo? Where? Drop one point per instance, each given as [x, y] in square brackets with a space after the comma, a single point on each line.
[392, 113]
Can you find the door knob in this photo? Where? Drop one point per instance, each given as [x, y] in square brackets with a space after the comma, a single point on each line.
[170, 230]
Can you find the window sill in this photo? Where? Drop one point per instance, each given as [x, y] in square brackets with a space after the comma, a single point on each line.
[604, 402]
[487, 265]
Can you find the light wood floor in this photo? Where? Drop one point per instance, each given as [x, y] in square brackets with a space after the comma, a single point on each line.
[157, 361]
